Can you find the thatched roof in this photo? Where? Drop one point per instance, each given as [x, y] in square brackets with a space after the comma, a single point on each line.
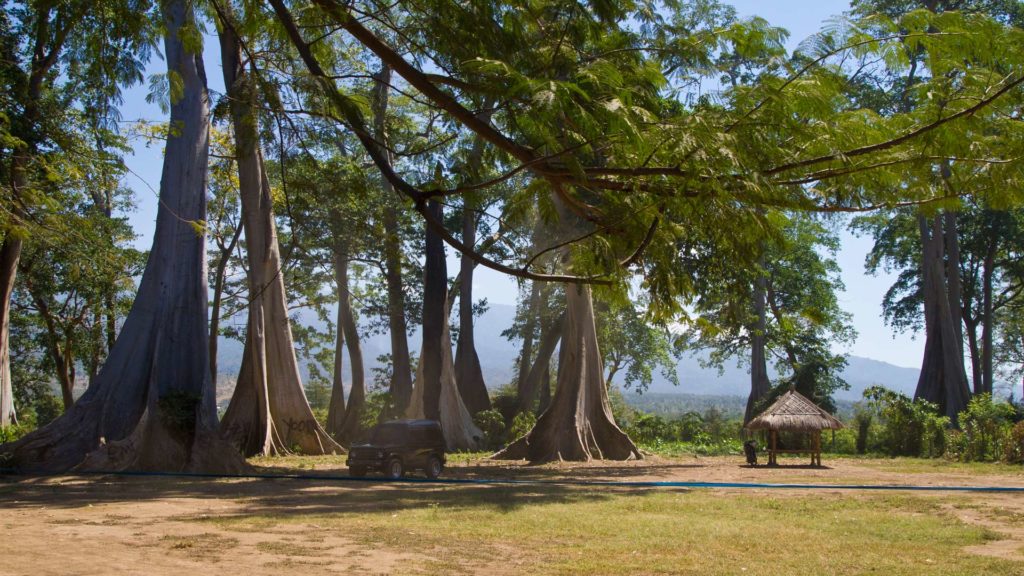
[793, 411]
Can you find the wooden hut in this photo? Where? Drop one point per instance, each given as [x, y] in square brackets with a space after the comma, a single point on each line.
[793, 412]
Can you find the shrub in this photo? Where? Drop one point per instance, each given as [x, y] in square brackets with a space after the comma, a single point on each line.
[491, 423]
[13, 432]
[521, 425]
[986, 426]
[862, 420]
[908, 427]
[1013, 452]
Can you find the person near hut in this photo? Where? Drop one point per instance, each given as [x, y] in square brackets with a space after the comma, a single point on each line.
[750, 449]
[794, 413]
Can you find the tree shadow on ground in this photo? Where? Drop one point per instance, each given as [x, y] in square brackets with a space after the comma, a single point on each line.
[307, 497]
[786, 467]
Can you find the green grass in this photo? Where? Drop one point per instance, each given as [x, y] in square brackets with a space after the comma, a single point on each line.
[557, 530]
[941, 465]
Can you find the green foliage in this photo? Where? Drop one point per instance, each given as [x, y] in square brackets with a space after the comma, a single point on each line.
[492, 424]
[13, 432]
[1014, 450]
[862, 422]
[318, 393]
[378, 404]
[704, 434]
[986, 426]
[908, 427]
[521, 425]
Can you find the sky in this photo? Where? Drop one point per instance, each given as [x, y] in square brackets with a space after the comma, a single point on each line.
[863, 294]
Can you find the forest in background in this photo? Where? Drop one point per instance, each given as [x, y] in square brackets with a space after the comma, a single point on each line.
[662, 178]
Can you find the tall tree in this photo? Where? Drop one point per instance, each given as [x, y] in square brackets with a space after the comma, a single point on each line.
[152, 405]
[268, 413]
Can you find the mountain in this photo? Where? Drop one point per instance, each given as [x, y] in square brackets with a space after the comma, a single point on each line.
[498, 355]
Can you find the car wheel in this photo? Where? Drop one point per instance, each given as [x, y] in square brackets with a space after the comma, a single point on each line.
[434, 467]
[394, 469]
[357, 471]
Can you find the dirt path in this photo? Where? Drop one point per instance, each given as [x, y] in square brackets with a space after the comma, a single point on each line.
[163, 526]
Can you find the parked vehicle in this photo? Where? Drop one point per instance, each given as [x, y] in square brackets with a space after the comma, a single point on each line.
[398, 447]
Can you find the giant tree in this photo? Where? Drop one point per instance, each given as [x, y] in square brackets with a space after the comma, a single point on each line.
[56, 58]
[152, 404]
[268, 413]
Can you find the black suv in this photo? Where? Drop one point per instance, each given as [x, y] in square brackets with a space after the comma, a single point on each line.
[397, 447]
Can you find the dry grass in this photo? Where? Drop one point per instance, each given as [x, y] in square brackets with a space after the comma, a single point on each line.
[559, 531]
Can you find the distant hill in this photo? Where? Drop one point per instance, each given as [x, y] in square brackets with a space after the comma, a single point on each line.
[497, 357]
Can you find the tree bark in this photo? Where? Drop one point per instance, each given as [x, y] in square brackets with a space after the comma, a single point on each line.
[435, 286]
[10, 254]
[436, 394]
[529, 327]
[400, 386]
[352, 424]
[988, 311]
[336, 409]
[469, 375]
[759, 382]
[152, 405]
[943, 379]
[218, 293]
[579, 424]
[268, 413]
[535, 378]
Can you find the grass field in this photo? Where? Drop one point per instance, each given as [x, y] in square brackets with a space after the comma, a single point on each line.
[323, 526]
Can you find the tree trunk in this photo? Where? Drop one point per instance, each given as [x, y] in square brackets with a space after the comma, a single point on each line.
[268, 413]
[759, 382]
[336, 410]
[954, 290]
[400, 386]
[988, 312]
[152, 405]
[469, 375]
[218, 293]
[436, 393]
[943, 380]
[529, 327]
[974, 349]
[579, 424]
[10, 254]
[435, 286]
[352, 424]
[535, 378]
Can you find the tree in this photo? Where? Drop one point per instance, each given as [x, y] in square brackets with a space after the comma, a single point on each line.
[152, 404]
[56, 59]
[268, 413]
[785, 309]
[599, 125]
[943, 380]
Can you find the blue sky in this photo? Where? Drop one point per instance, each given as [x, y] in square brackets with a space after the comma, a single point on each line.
[802, 18]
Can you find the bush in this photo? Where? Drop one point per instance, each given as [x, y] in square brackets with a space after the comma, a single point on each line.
[908, 427]
[491, 423]
[13, 432]
[847, 441]
[521, 425]
[1013, 452]
[986, 426]
[862, 420]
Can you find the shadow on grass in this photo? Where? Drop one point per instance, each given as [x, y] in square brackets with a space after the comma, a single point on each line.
[786, 467]
[289, 498]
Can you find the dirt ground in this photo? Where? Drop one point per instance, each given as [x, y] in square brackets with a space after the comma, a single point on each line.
[154, 525]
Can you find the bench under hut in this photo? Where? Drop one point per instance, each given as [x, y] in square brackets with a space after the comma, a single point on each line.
[793, 412]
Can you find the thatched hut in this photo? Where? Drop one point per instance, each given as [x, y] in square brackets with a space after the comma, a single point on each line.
[793, 412]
